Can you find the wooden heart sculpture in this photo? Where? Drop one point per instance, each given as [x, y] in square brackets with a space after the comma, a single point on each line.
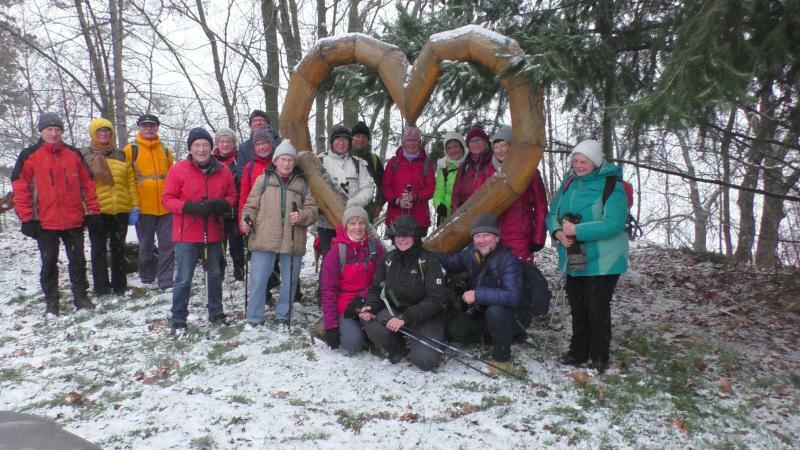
[469, 43]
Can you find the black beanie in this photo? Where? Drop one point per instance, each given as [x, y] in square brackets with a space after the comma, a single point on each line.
[340, 130]
[257, 113]
[485, 223]
[198, 133]
[360, 128]
[404, 225]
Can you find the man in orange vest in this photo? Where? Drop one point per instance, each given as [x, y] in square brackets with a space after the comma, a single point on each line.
[151, 160]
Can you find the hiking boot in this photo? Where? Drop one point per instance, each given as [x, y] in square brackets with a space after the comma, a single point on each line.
[252, 326]
[219, 319]
[178, 328]
[51, 308]
[571, 359]
[282, 322]
[600, 365]
[83, 302]
[499, 368]
[396, 357]
[238, 273]
[120, 291]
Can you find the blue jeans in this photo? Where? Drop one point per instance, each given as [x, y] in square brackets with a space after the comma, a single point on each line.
[186, 256]
[351, 335]
[261, 265]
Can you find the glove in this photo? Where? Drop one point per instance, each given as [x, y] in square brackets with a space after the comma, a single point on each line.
[332, 337]
[352, 310]
[441, 210]
[92, 220]
[134, 217]
[536, 247]
[31, 228]
[219, 206]
[198, 208]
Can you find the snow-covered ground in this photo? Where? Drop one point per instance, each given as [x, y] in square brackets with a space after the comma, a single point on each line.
[704, 355]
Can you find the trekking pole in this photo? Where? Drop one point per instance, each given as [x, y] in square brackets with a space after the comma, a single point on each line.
[249, 223]
[205, 258]
[558, 308]
[291, 268]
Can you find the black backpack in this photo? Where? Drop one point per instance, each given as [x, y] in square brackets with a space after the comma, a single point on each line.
[535, 291]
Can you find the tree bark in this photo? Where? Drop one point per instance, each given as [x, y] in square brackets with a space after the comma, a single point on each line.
[115, 8]
[290, 32]
[319, 119]
[106, 107]
[271, 85]
[350, 107]
[218, 69]
[724, 151]
[699, 214]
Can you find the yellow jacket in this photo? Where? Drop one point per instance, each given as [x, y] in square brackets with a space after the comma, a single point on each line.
[122, 195]
[153, 160]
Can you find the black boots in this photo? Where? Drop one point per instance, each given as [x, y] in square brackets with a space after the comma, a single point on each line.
[83, 302]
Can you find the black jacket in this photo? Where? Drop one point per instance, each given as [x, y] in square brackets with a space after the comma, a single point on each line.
[413, 282]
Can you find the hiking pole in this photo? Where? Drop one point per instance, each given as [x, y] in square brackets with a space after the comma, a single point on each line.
[291, 268]
[249, 223]
[466, 354]
[205, 259]
[558, 308]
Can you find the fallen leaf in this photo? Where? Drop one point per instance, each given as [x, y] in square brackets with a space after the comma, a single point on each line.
[409, 417]
[681, 425]
[602, 394]
[281, 394]
[725, 385]
[71, 398]
[149, 380]
[581, 377]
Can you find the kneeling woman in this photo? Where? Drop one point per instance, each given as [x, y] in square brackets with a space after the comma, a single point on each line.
[346, 275]
[413, 282]
[277, 212]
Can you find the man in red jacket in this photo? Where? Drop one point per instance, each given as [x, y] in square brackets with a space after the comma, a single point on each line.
[52, 190]
[199, 191]
[409, 181]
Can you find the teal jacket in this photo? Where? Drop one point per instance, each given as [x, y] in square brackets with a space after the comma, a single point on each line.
[600, 228]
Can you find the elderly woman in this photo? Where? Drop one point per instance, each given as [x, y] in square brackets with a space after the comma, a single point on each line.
[454, 148]
[413, 282]
[346, 274]
[277, 212]
[592, 249]
[225, 153]
[476, 168]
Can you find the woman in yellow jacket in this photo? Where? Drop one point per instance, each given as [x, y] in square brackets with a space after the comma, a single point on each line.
[119, 206]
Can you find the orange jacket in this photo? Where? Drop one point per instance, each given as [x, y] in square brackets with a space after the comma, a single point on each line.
[153, 161]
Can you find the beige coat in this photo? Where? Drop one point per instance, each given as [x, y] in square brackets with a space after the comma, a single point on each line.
[270, 233]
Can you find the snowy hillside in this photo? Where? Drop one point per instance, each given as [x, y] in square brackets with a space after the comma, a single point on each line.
[703, 355]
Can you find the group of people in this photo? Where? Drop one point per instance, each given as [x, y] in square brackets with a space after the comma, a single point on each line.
[226, 197]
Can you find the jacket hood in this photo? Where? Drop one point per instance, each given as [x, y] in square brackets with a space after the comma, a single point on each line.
[450, 135]
[605, 170]
[95, 125]
[422, 153]
[343, 237]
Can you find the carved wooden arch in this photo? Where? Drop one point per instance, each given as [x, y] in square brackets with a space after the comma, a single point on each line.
[470, 44]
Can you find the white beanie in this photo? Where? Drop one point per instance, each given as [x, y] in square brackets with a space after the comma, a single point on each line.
[284, 148]
[590, 149]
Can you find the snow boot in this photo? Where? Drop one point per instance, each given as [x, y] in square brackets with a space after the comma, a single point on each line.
[51, 307]
[83, 302]
[571, 359]
[220, 319]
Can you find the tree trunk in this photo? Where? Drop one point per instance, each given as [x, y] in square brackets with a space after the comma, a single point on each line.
[271, 85]
[119, 78]
[107, 108]
[350, 107]
[699, 214]
[724, 151]
[290, 32]
[386, 128]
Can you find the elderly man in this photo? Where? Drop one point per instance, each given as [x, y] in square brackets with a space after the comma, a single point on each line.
[258, 120]
[493, 304]
[363, 149]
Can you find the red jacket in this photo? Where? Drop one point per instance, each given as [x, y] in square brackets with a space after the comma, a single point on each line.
[52, 184]
[399, 173]
[470, 176]
[251, 171]
[185, 182]
[522, 224]
[340, 285]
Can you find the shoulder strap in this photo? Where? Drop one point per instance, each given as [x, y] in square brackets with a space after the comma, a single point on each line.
[265, 181]
[608, 189]
[342, 256]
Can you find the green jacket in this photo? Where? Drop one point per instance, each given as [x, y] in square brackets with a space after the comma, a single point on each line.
[445, 177]
[600, 228]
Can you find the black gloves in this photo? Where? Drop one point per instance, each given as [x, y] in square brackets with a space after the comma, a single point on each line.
[332, 337]
[217, 207]
[536, 247]
[31, 228]
[220, 206]
[352, 310]
[198, 208]
[441, 210]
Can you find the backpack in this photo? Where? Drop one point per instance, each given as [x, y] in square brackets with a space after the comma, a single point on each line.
[265, 183]
[135, 156]
[632, 228]
[343, 254]
[535, 291]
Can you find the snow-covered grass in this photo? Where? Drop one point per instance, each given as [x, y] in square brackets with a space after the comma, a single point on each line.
[700, 359]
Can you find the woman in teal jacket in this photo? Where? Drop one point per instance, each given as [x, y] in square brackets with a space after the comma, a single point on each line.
[592, 250]
[454, 148]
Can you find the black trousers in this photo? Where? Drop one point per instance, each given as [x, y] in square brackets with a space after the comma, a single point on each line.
[590, 304]
[109, 229]
[498, 323]
[234, 244]
[422, 356]
[48, 241]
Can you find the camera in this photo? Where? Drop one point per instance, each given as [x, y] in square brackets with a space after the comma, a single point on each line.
[576, 253]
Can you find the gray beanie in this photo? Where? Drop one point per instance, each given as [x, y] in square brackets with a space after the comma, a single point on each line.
[285, 148]
[590, 149]
[225, 132]
[503, 134]
[485, 223]
[264, 135]
[49, 119]
[352, 212]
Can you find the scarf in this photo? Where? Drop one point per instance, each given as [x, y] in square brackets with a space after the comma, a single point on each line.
[98, 165]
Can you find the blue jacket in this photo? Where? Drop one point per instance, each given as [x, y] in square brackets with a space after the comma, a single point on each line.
[497, 278]
[601, 228]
